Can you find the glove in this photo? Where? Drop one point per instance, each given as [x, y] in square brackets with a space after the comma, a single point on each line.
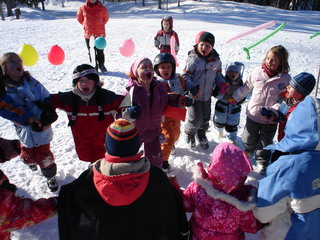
[224, 88]
[48, 117]
[132, 113]
[195, 91]
[9, 149]
[269, 114]
[184, 101]
[232, 101]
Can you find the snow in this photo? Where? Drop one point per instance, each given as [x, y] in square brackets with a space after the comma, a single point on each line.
[57, 25]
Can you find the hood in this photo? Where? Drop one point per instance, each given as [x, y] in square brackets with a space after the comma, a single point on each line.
[229, 167]
[302, 129]
[121, 181]
[169, 19]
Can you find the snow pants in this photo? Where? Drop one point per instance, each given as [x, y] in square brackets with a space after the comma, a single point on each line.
[171, 131]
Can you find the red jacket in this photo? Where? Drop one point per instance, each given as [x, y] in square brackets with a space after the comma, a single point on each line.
[89, 133]
[17, 212]
[93, 17]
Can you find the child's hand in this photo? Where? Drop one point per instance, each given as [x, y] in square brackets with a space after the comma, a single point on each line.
[268, 114]
[132, 113]
[195, 91]
[224, 88]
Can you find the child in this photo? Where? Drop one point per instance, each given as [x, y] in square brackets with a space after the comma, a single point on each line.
[288, 196]
[122, 196]
[220, 203]
[165, 67]
[299, 87]
[94, 16]
[266, 82]
[31, 95]
[90, 110]
[163, 37]
[19, 212]
[152, 97]
[203, 68]
[227, 115]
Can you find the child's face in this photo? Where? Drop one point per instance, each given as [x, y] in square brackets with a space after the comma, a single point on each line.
[86, 85]
[292, 93]
[272, 62]
[232, 75]
[165, 25]
[14, 68]
[145, 72]
[165, 70]
[204, 48]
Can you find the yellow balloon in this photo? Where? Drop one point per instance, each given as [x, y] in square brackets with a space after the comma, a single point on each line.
[28, 55]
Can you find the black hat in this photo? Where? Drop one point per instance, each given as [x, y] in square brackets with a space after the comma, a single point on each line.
[85, 70]
[207, 37]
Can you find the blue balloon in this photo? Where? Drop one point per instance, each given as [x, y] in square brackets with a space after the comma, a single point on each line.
[100, 43]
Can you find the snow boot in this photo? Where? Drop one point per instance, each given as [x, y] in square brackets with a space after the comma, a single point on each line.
[191, 141]
[204, 143]
[102, 68]
[166, 167]
[52, 184]
[33, 167]
[173, 151]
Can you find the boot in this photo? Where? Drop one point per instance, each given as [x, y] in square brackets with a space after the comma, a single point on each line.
[220, 132]
[52, 184]
[203, 140]
[33, 167]
[102, 68]
[191, 141]
[173, 151]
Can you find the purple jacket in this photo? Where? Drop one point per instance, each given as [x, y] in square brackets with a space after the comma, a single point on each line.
[149, 122]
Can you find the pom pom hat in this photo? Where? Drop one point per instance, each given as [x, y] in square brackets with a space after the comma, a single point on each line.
[122, 139]
[303, 83]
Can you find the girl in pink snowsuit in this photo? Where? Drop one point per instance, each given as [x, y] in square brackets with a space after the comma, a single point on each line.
[218, 199]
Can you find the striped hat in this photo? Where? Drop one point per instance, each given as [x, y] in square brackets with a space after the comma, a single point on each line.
[122, 139]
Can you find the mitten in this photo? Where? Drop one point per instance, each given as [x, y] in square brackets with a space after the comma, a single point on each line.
[269, 114]
[132, 113]
[224, 88]
[9, 149]
[184, 101]
[232, 101]
[204, 174]
[195, 91]
[47, 117]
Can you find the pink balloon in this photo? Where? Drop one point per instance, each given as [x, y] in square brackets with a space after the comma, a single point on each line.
[127, 48]
[198, 36]
[56, 55]
[252, 30]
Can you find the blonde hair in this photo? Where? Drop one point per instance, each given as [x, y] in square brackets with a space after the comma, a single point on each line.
[283, 55]
[5, 58]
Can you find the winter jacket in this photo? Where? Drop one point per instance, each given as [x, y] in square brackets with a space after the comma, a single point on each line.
[89, 133]
[221, 205]
[265, 93]
[17, 212]
[30, 95]
[288, 197]
[142, 205]
[93, 17]
[162, 40]
[149, 122]
[204, 72]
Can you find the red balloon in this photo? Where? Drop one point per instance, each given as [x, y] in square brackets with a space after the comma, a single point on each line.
[56, 55]
[198, 36]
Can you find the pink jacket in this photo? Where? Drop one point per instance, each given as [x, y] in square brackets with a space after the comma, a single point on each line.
[93, 17]
[265, 93]
[219, 201]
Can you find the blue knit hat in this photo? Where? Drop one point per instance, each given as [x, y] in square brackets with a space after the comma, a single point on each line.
[122, 139]
[303, 83]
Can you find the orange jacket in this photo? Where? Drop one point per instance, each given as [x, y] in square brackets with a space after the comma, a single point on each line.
[93, 17]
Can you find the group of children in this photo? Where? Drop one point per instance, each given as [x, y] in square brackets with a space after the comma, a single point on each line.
[216, 192]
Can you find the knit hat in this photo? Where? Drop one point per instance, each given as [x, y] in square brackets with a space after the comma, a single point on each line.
[207, 37]
[122, 139]
[235, 66]
[85, 70]
[303, 83]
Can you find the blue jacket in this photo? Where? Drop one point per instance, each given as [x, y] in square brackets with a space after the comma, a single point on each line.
[289, 196]
[28, 95]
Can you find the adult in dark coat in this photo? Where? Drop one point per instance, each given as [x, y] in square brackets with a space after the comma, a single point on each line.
[122, 196]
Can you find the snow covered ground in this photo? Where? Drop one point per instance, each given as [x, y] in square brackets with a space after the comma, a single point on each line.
[57, 25]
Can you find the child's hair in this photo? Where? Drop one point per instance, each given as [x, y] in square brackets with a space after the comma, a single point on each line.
[283, 55]
[5, 58]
